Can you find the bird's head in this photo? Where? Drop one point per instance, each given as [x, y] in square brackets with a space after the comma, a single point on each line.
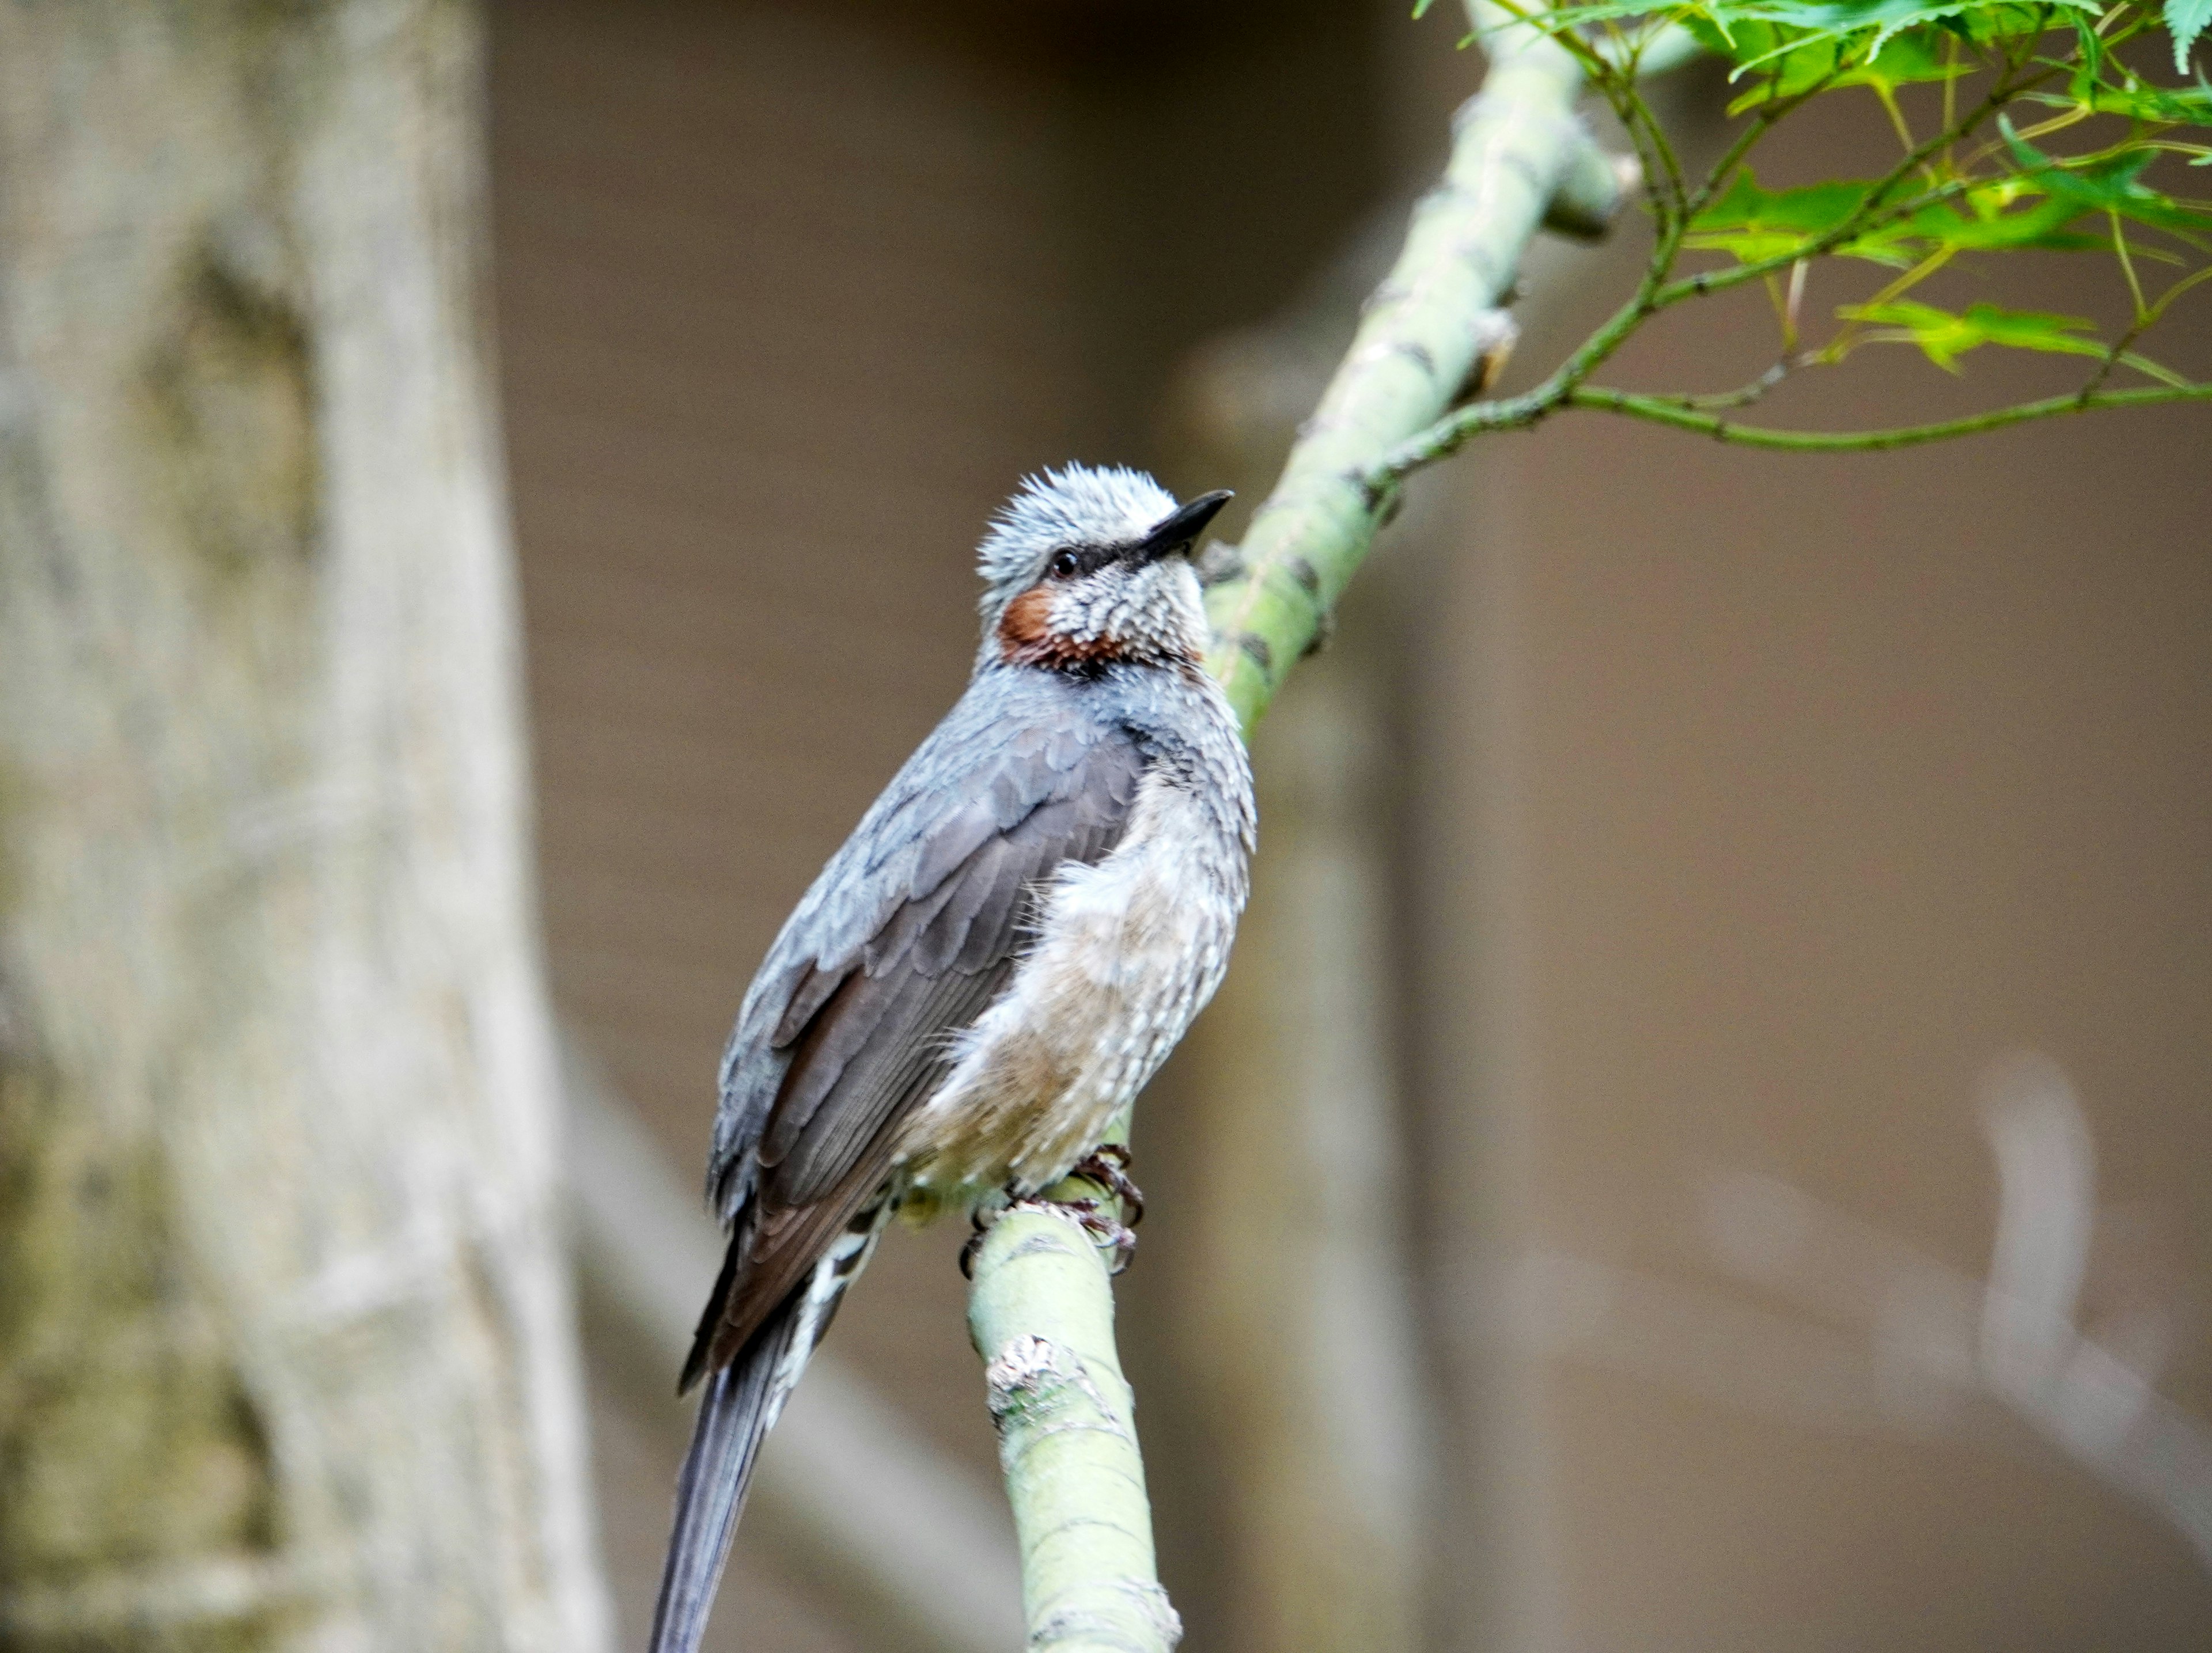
[1086, 569]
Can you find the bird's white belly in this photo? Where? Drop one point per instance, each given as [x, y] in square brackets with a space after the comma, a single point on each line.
[1128, 952]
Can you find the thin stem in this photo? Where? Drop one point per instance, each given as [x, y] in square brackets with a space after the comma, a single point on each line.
[2158, 310]
[1698, 414]
[1745, 395]
[1661, 411]
[1840, 346]
[2122, 354]
[1887, 98]
[2057, 123]
[1780, 305]
[2141, 364]
[1668, 161]
[2127, 263]
[1950, 95]
[1667, 210]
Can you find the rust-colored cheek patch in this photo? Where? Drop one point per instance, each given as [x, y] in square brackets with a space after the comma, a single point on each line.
[1025, 624]
[1026, 638]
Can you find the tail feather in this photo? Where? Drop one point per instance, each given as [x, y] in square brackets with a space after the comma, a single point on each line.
[737, 1408]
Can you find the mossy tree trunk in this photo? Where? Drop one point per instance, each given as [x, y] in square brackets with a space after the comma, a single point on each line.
[285, 1356]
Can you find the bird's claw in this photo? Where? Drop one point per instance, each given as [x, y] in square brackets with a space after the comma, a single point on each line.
[1109, 1221]
[1095, 1217]
[1108, 1167]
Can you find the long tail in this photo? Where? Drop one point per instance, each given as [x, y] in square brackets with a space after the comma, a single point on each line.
[737, 1408]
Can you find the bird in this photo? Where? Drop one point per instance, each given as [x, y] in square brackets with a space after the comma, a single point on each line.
[1016, 934]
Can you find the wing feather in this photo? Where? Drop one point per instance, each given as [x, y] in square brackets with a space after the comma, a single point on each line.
[910, 932]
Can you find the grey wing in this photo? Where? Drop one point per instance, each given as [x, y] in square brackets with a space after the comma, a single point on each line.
[908, 935]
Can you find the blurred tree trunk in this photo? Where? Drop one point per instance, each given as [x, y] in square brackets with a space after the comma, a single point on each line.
[1304, 1342]
[285, 1352]
[1296, 1314]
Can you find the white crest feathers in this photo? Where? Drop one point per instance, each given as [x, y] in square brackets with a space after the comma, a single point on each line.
[1075, 504]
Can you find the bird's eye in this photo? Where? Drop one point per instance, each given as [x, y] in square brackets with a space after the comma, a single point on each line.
[1067, 566]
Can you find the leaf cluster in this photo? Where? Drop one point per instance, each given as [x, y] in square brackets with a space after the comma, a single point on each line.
[2034, 127]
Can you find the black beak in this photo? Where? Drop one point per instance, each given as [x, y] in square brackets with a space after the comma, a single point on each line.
[1181, 531]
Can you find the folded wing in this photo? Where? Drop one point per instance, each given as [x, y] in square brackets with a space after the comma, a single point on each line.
[912, 930]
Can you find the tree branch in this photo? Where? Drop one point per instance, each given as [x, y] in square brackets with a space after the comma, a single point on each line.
[1041, 1315]
[1430, 337]
[1433, 332]
[1041, 1308]
[1670, 411]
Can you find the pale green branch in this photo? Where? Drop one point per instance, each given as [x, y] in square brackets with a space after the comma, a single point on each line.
[1041, 1308]
[1041, 1315]
[1429, 335]
[1432, 336]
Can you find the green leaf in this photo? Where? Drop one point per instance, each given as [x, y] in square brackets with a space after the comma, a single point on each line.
[1915, 55]
[1787, 70]
[2133, 99]
[2093, 47]
[1945, 337]
[1754, 224]
[1749, 31]
[2111, 183]
[2185, 20]
[1870, 24]
[1997, 214]
[1791, 47]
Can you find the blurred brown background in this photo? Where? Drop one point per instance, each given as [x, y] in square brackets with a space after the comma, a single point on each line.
[1735, 819]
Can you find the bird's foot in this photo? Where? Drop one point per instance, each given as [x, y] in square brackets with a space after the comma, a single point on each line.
[1109, 1167]
[1102, 1220]
[1097, 1218]
[1110, 1221]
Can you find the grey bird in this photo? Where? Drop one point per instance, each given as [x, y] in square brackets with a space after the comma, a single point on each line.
[1014, 937]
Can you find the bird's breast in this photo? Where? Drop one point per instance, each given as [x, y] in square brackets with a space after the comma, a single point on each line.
[1127, 952]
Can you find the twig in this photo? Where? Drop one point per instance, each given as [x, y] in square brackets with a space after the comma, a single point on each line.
[1745, 395]
[1666, 411]
[1691, 413]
